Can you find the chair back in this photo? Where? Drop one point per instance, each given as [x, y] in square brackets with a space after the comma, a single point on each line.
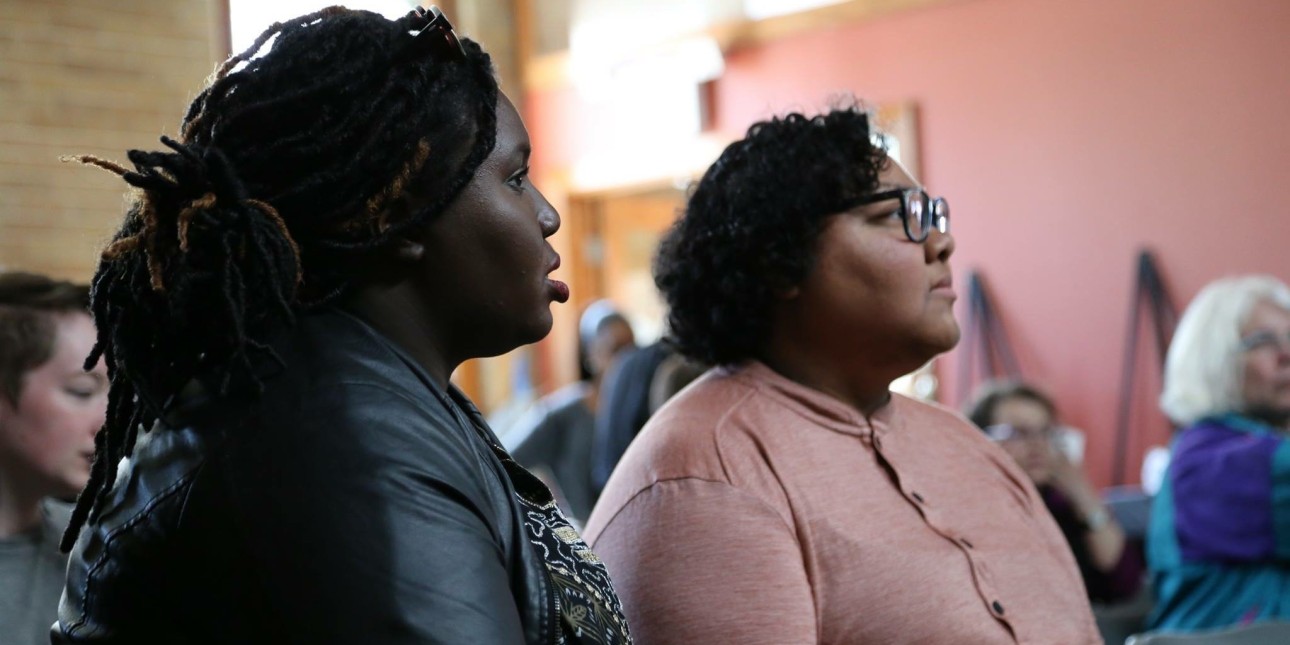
[1265, 633]
[1131, 508]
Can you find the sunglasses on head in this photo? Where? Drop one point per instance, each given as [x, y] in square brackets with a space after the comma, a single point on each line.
[430, 23]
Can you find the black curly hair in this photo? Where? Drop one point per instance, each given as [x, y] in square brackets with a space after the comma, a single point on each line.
[295, 165]
[751, 225]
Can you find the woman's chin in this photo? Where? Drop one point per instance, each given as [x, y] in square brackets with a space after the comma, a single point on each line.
[539, 327]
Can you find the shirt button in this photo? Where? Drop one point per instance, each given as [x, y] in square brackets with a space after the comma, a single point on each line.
[917, 498]
[998, 608]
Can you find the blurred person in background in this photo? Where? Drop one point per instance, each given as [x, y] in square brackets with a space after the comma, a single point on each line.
[673, 374]
[554, 439]
[1218, 546]
[787, 496]
[625, 406]
[1023, 421]
[346, 218]
[637, 385]
[50, 410]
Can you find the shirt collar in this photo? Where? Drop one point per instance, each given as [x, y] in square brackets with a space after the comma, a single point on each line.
[817, 406]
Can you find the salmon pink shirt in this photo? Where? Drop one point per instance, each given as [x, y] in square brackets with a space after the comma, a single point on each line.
[754, 510]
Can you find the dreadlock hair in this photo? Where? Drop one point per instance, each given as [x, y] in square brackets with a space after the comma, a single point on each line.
[293, 165]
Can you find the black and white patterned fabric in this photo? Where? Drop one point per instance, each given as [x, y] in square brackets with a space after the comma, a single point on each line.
[590, 612]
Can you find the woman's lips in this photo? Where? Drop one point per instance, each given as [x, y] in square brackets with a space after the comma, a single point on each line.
[945, 287]
[559, 290]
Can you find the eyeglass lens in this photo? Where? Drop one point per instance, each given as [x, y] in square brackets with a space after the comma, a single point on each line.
[1005, 432]
[922, 213]
[1264, 339]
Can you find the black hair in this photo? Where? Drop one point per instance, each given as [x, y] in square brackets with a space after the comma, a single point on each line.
[28, 330]
[980, 410]
[751, 226]
[295, 166]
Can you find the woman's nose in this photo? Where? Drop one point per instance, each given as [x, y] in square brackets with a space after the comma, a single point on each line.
[548, 218]
[939, 246]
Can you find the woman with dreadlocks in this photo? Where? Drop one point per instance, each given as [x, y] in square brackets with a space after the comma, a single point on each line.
[345, 219]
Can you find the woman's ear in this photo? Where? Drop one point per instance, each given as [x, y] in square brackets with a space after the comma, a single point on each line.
[782, 287]
[405, 250]
[395, 261]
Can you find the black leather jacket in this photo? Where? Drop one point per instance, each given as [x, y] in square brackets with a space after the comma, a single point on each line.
[352, 505]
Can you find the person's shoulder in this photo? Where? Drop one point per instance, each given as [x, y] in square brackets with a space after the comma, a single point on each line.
[926, 409]
[569, 396]
[684, 437]
[931, 416]
[560, 407]
[637, 366]
[949, 438]
[710, 406]
[1230, 435]
[339, 371]
[347, 395]
[705, 438]
[57, 514]
[332, 346]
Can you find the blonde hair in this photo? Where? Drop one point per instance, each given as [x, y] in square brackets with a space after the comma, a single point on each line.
[1202, 371]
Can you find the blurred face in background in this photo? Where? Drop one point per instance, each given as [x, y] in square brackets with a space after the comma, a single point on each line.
[47, 435]
[1028, 437]
[1265, 341]
[610, 340]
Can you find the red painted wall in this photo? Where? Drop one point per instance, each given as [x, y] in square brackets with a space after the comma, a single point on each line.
[1066, 136]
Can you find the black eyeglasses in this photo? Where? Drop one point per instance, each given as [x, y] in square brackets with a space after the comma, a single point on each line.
[918, 211]
[437, 29]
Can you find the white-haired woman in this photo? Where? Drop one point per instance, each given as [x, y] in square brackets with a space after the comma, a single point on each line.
[1219, 543]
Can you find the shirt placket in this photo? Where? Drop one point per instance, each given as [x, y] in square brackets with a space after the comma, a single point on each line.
[982, 577]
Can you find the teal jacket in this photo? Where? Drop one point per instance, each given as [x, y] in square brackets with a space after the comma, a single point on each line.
[1218, 546]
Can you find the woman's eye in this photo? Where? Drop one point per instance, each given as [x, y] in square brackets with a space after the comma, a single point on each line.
[517, 180]
[887, 216]
[80, 393]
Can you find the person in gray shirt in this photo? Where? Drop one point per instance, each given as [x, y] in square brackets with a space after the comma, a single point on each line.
[50, 410]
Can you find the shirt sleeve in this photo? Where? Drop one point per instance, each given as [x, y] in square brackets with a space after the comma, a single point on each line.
[1231, 494]
[703, 562]
[371, 524]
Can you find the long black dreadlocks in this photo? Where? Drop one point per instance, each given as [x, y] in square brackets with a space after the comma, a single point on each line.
[292, 165]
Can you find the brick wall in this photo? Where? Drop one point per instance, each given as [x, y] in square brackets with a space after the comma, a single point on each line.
[86, 77]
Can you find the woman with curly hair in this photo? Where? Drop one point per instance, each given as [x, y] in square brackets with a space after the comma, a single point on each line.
[345, 219]
[787, 496]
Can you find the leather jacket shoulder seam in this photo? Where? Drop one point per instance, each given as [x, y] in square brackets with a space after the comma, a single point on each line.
[112, 536]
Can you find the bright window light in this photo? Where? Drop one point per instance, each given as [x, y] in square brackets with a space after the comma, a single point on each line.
[758, 9]
[248, 18]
